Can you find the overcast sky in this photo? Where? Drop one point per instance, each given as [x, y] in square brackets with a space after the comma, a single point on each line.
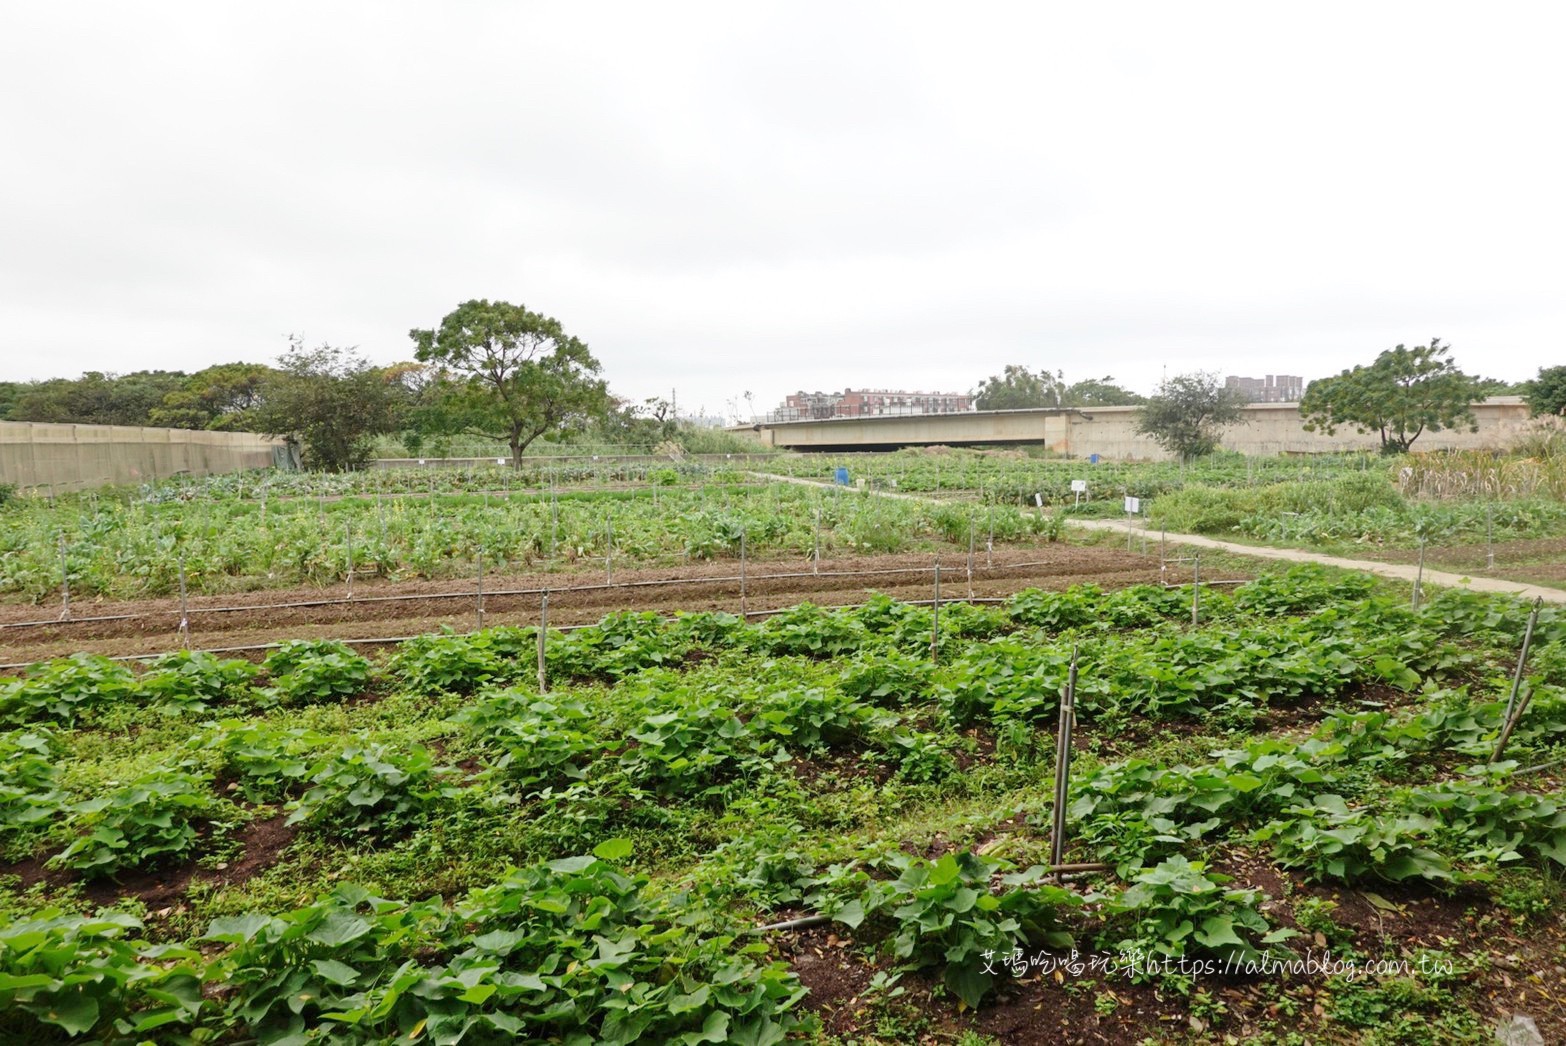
[745, 197]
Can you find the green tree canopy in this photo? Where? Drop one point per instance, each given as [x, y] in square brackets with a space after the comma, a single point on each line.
[1403, 394]
[1189, 412]
[509, 374]
[96, 398]
[1099, 392]
[333, 402]
[223, 397]
[1547, 392]
[1017, 388]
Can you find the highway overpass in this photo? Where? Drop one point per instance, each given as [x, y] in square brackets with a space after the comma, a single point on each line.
[1269, 428]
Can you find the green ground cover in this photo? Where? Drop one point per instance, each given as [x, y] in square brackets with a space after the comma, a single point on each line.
[470, 859]
[228, 540]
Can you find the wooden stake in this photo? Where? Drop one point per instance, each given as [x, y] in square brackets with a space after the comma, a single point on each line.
[1067, 716]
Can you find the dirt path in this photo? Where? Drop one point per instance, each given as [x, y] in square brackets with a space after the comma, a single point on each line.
[1397, 571]
[388, 609]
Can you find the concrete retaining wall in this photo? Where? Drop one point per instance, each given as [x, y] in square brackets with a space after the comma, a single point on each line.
[35, 455]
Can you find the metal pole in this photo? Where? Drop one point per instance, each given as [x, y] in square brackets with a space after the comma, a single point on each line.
[744, 604]
[554, 516]
[543, 631]
[989, 543]
[1196, 591]
[1419, 576]
[480, 588]
[970, 554]
[815, 562]
[65, 583]
[184, 607]
[1489, 532]
[935, 617]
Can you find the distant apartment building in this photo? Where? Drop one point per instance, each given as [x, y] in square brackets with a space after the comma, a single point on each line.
[860, 403]
[1274, 388]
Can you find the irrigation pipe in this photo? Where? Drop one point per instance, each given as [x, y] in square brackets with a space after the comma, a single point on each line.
[384, 640]
[492, 593]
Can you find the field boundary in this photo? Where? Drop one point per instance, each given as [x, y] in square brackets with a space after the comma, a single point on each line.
[1394, 571]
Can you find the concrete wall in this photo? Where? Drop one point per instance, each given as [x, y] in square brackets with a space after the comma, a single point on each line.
[35, 455]
[1270, 428]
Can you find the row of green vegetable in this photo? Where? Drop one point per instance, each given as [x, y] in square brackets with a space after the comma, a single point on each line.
[706, 713]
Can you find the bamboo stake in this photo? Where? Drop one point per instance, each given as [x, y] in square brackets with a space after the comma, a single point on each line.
[1515, 706]
[744, 604]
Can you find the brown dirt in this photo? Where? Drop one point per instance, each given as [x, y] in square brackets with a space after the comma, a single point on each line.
[151, 626]
[261, 840]
[1525, 973]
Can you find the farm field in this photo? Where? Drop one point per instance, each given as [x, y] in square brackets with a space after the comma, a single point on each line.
[423, 844]
[219, 538]
[377, 609]
[1500, 515]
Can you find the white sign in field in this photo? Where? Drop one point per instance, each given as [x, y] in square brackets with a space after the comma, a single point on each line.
[1133, 505]
[1079, 486]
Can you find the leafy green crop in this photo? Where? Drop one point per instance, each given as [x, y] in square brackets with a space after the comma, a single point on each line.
[28, 773]
[193, 681]
[1329, 840]
[80, 975]
[372, 789]
[306, 671]
[152, 820]
[61, 690]
[1180, 909]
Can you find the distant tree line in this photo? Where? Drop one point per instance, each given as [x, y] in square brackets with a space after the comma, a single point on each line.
[1404, 393]
[490, 370]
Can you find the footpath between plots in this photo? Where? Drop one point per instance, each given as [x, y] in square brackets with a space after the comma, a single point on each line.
[1397, 571]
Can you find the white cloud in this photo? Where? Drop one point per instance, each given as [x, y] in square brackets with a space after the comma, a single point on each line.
[723, 197]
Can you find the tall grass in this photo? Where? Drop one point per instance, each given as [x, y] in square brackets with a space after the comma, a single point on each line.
[1535, 467]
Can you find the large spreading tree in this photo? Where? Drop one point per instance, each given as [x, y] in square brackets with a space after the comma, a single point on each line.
[331, 401]
[1189, 412]
[1017, 387]
[1547, 393]
[508, 374]
[1405, 393]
